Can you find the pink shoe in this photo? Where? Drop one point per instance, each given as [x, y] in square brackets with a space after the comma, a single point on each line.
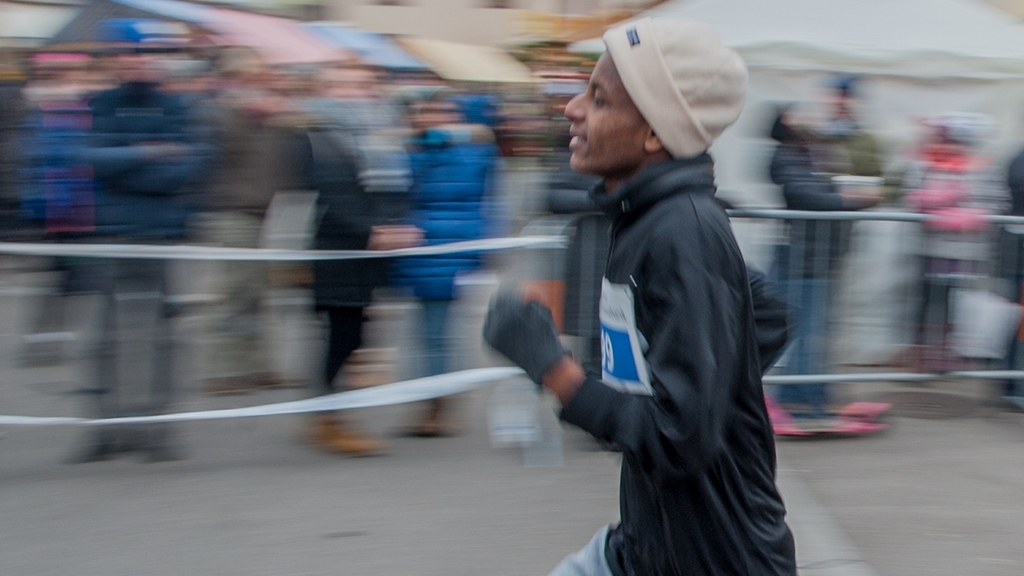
[861, 418]
[864, 410]
[782, 423]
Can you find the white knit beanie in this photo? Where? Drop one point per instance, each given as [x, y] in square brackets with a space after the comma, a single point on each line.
[687, 84]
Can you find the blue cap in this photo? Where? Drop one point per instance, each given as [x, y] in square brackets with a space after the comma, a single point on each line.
[143, 33]
[846, 84]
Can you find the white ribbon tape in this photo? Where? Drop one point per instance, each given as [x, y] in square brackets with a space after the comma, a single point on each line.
[187, 252]
[384, 395]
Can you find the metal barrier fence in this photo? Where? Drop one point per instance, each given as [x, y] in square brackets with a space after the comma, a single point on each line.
[912, 277]
[837, 268]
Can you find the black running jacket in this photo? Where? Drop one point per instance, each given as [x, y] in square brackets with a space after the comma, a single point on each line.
[680, 393]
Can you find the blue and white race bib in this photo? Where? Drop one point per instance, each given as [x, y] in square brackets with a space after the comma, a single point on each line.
[623, 365]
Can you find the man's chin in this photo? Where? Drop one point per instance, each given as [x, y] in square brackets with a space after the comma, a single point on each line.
[579, 165]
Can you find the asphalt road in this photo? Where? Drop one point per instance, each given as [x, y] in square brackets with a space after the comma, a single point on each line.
[249, 497]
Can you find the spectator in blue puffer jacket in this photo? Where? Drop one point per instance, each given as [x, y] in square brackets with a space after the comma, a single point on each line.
[453, 162]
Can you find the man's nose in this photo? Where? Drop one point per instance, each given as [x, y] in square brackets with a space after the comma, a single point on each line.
[574, 109]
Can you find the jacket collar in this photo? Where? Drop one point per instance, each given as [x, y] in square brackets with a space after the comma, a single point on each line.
[655, 183]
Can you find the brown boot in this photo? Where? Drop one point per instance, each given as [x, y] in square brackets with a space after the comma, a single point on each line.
[435, 424]
[323, 430]
[353, 443]
[333, 436]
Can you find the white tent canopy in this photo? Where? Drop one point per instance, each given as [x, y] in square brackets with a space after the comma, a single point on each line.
[468, 62]
[910, 38]
[29, 24]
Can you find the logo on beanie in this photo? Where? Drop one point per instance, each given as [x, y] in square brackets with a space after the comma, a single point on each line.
[633, 37]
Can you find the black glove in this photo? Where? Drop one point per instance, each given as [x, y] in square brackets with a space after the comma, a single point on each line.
[525, 333]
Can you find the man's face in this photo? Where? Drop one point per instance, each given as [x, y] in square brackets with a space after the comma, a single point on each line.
[431, 114]
[349, 83]
[138, 68]
[842, 105]
[610, 138]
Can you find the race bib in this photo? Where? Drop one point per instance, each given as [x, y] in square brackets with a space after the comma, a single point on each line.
[623, 365]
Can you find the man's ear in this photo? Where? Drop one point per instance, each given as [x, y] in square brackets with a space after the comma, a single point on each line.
[652, 144]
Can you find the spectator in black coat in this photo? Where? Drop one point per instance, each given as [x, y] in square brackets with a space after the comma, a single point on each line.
[804, 266]
[1011, 261]
[362, 192]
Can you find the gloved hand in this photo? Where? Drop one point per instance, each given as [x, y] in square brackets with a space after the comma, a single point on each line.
[525, 333]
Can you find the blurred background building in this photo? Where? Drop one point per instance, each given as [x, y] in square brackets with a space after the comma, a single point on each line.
[1012, 7]
[485, 22]
[489, 22]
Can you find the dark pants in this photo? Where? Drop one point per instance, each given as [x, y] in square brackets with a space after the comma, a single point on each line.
[134, 357]
[1010, 267]
[1015, 355]
[346, 336]
[810, 297]
[435, 335]
[803, 281]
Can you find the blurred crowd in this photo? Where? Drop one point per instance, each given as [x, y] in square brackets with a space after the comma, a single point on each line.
[959, 274]
[146, 143]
